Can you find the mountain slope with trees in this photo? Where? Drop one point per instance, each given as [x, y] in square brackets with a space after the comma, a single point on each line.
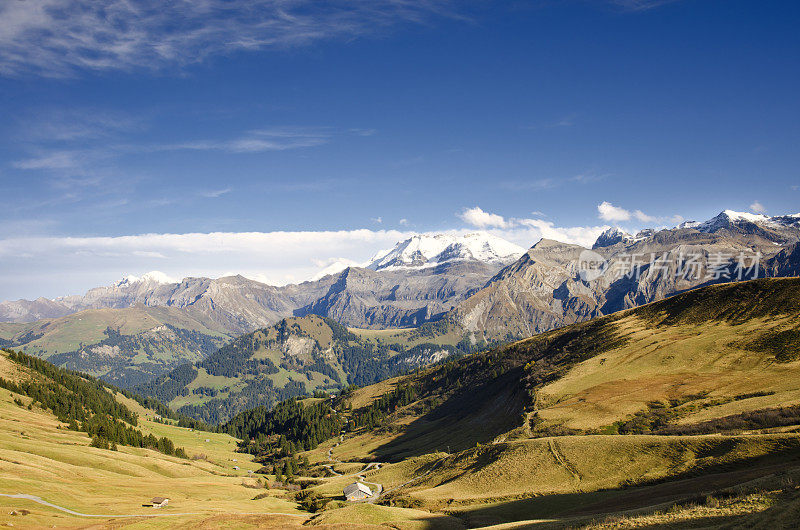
[294, 357]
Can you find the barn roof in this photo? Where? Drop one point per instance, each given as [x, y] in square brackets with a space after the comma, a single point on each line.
[356, 487]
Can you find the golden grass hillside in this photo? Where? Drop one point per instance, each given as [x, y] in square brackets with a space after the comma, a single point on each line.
[39, 456]
[701, 355]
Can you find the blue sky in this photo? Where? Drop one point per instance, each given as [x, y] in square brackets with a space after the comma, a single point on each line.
[335, 128]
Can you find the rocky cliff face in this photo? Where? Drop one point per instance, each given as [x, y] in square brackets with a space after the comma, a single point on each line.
[399, 298]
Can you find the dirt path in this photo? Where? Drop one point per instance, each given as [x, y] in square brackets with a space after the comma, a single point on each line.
[376, 492]
[43, 502]
[562, 460]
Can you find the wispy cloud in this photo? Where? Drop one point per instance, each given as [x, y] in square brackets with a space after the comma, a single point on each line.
[530, 185]
[83, 262]
[257, 141]
[757, 207]
[640, 5]
[550, 183]
[58, 125]
[213, 194]
[58, 159]
[363, 132]
[58, 37]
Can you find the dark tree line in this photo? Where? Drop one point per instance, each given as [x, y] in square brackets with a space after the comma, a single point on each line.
[290, 427]
[86, 404]
[373, 414]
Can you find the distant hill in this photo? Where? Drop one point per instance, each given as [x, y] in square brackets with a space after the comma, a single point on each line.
[123, 346]
[295, 357]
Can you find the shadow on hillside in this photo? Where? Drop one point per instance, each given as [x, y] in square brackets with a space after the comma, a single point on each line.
[574, 509]
[470, 416]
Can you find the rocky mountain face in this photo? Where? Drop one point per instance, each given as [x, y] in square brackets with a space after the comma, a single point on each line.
[555, 284]
[396, 297]
[420, 279]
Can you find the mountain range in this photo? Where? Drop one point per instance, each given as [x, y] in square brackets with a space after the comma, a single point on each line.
[544, 289]
[470, 290]
[417, 280]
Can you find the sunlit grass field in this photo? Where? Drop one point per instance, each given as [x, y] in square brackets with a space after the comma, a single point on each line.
[42, 458]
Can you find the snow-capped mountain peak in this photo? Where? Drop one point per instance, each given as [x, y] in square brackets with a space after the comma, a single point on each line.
[152, 277]
[610, 237]
[728, 218]
[426, 250]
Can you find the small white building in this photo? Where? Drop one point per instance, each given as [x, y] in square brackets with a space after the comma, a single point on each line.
[357, 492]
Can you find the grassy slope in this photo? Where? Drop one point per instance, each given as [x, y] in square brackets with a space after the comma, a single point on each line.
[39, 458]
[587, 376]
[410, 337]
[658, 364]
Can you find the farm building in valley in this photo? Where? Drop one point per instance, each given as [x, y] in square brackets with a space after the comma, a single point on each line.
[159, 502]
[357, 492]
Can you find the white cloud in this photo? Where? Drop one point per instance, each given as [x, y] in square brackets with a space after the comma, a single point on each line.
[333, 266]
[378, 220]
[608, 212]
[531, 185]
[403, 222]
[52, 160]
[27, 263]
[757, 207]
[148, 254]
[480, 219]
[529, 231]
[58, 37]
[213, 194]
[640, 215]
[363, 132]
[525, 232]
